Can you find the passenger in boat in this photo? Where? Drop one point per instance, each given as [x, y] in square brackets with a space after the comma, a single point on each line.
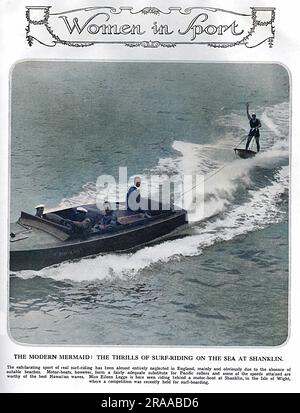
[133, 197]
[82, 224]
[255, 124]
[109, 218]
[39, 210]
[80, 214]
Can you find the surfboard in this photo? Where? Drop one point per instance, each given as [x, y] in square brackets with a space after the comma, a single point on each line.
[244, 153]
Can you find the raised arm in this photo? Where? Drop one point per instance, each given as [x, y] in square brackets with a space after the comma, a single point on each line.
[247, 108]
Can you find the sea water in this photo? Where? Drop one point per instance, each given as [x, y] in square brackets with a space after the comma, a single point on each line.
[222, 280]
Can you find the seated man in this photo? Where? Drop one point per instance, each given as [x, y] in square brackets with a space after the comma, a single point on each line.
[82, 225]
[109, 218]
[39, 210]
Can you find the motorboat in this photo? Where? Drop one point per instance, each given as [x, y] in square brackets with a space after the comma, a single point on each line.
[37, 242]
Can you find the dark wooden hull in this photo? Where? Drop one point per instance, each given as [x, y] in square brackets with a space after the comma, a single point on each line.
[122, 240]
[243, 153]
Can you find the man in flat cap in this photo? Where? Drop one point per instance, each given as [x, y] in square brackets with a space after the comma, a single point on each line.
[82, 225]
[39, 210]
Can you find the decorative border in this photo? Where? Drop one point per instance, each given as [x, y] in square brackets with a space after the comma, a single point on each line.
[155, 11]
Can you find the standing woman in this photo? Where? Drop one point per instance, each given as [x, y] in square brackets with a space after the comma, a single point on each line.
[254, 129]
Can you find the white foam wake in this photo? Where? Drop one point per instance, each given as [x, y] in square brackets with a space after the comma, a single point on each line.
[261, 210]
[205, 160]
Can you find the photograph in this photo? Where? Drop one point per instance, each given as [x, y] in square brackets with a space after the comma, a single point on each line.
[149, 203]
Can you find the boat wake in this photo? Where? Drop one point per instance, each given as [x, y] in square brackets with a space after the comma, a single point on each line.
[243, 196]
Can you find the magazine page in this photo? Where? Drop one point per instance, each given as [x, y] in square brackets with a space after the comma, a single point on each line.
[149, 166]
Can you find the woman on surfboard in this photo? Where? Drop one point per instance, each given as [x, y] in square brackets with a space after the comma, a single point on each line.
[254, 129]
